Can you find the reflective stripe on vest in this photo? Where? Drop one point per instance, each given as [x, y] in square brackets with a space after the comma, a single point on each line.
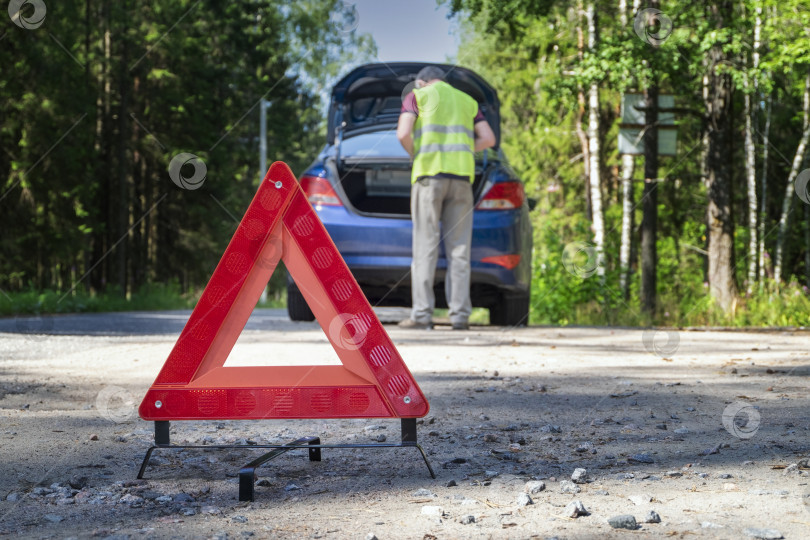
[444, 135]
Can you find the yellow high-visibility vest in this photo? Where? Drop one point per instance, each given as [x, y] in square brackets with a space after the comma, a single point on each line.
[444, 136]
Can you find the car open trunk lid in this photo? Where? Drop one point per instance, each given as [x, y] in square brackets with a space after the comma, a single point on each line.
[370, 97]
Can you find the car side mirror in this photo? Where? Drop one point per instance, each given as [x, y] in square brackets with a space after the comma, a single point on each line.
[532, 203]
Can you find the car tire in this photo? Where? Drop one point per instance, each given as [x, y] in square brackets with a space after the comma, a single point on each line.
[511, 310]
[297, 307]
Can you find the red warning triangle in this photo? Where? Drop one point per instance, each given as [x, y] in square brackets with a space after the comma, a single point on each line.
[372, 382]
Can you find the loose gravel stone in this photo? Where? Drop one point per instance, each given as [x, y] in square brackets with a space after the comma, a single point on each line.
[422, 492]
[54, 518]
[466, 520]
[569, 487]
[132, 500]
[580, 476]
[640, 458]
[575, 509]
[534, 487]
[710, 525]
[673, 474]
[763, 534]
[713, 450]
[213, 510]
[450, 483]
[432, 511]
[523, 499]
[183, 498]
[624, 521]
[641, 498]
[652, 517]
[548, 428]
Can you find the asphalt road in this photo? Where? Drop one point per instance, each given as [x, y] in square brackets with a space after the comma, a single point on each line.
[149, 322]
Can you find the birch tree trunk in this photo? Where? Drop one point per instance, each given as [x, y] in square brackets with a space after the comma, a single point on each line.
[593, 147]
[583, 137]
[628, 165]
[763, 190]
[751, 180]
[798, 158]
[750, 153]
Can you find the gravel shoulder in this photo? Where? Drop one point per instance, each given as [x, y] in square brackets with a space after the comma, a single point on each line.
[707, 429]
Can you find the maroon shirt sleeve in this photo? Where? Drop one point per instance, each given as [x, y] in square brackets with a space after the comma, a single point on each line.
[409, 105]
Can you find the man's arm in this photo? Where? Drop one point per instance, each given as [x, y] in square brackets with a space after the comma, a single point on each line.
[484, 137]
[405, 131]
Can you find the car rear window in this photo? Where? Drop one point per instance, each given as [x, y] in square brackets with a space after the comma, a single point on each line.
[380, 144]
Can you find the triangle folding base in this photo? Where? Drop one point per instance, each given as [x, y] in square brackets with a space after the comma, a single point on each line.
[194, 383]
[247, 474]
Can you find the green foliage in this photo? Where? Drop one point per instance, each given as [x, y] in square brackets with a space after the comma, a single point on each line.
[97, 102]
[531, 55]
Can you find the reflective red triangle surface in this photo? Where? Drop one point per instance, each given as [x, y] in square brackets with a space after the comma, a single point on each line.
[373, 380]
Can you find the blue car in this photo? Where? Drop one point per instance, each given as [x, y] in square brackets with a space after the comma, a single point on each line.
[360, 186]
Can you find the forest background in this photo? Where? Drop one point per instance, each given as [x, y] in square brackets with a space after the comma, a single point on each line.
[98, 100]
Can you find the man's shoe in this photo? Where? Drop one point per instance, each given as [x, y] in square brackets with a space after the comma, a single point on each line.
[413, 325]
[461, 326]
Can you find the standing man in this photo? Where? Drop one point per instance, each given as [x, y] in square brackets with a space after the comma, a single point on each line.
[441, 127]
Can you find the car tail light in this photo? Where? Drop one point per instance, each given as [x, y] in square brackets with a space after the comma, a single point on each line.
[503, 196]
[507, 261]
[319, 191]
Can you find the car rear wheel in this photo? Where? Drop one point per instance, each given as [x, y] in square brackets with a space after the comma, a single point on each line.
[511, 310]
[297, 307]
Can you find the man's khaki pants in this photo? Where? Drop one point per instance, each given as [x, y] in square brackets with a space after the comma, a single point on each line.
[441, 209]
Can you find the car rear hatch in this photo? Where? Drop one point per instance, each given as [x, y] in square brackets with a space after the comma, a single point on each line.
[374, 170]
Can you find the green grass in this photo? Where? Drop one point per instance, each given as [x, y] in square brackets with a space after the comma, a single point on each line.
[156, 297]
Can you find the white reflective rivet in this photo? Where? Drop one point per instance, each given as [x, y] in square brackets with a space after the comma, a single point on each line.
[278, 184]
[407, 399]
[158, 404]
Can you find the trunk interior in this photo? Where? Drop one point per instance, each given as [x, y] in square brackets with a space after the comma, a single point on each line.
[383, 189]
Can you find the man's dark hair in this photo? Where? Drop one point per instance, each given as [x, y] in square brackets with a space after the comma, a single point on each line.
[429, 73]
